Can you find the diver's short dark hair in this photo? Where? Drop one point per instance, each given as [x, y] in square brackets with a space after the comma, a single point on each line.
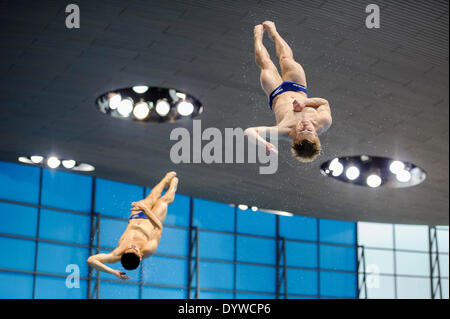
[305, 150]
[130, 261]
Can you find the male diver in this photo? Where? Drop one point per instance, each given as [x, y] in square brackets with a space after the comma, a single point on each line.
[299, 118]
[142, 235]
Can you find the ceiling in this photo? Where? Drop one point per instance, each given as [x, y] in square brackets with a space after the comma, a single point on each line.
[387, 87]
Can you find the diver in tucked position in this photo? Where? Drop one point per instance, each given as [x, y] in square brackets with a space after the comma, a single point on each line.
[299, 118]
[143, 233]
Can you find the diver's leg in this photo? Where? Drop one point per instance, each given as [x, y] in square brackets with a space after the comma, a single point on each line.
[270, 78]
[156, 192]
[291, 70]
[160, 207]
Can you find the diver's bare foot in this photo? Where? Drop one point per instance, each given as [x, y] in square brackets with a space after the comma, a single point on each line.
[270, 27]
[169, 177]
[258, 31]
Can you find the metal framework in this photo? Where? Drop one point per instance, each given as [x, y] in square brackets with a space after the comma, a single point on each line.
[362, 262]
[281, 268]
[193, 268]
[436, 286]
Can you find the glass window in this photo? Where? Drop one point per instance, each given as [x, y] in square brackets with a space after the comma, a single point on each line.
[66, 255]
[333, 284]
[174, 241]
[66, 227]
[18, 220]
[378, 286]
[67, 191]
[443, 261]
[166, 271]
[19, 182]
[149, 292]
[301, 254]
[216, 246]
[213, 216]
[375, 235]
[412, 263]
[110, 290]
[257, 223]
[337, 258]
[379, 261]
[178, 211]
[55, 288]
[256, 250]
[16, 285]
[414, 237]
[114, 198]
[216, 275]
[336, 231]
[445, 287]
[298, 227]
[255, 278]
[442, 237]
[302, 282]
[413, 288]
[21, 254]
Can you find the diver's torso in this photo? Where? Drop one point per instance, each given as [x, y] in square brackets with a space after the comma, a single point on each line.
[141, 232]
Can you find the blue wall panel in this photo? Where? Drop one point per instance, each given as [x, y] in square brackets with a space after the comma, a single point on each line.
[55, 288]
[216, 246]
[18, 220]
[337, 258]
[298, 227]
[20, 254]
[213, 216]
[15, 285]
[256, 223]
[149, 292]
[337, 232]
[19, 182]
[216, 275]
[55, 258]
[255, 278]
[334, 284]
[256, 250]
[301, 254]
[67, 191]
[64, 227]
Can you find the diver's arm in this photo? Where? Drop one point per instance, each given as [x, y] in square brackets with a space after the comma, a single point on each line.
[314, 102]
[254, 134]
[97, 262]
[139, 206]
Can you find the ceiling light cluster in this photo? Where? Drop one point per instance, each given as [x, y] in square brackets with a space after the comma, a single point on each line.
[373, 171]
[150, 104]
[54, 162]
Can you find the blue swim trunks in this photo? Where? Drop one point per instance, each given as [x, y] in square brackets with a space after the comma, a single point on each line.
[284, 87]
[139, 215]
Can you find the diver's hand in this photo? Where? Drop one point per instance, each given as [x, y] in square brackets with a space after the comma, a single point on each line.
[139, 206]
[298, 106]
[121, 275]
[270, 148]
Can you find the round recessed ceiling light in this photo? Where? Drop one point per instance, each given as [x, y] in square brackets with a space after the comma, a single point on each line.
[37, 159]
[170, 104]
[242, 207]
[68, 163]
[141, 110]
[373, 171]
[53, 162]
[140, 89]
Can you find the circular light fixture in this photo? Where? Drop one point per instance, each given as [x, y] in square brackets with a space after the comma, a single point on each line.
[185, 108]
[36, 159]
[352, 173]
[141, 110]
[373, 171]
[68, 164]
[170, 104]
[403, 176]
[162, 107]
[114, 100]
[140, 89]
[84, 167]
[373, 180]
[336, 168]
[396, 166]
[53, 162]
[125, 107]
[242, 207]
[24, 159]
[254, 208]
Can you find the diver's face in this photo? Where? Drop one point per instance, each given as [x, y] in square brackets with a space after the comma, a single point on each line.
[305, 130]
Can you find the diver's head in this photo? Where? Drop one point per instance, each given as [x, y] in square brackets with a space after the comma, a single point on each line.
[131, 258]
[306, 144]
